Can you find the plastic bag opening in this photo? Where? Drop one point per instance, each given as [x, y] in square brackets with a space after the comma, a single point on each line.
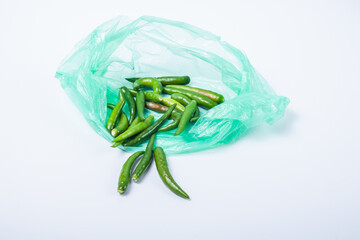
[150, 46]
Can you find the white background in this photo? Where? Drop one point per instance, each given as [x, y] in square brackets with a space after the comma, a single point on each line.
[297, 179]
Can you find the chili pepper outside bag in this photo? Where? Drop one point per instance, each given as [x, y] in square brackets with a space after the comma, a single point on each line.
[150, 47]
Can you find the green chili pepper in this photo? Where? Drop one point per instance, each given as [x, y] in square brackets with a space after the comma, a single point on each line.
[148, 95]
[168, 102]
[200, 99]
[116, 112]
[140, 104]
[134, 123]
[167, 80]
[176, 80]
[110, 105]
[163, 170]
[136, 129]
[124, 178]
[184, 100]
[152, 129]
[189, 111]
[149, 82]
[216, 97]
[122, 125]
[153, 96]
[175, 116]
[146, 159]
[130, 102]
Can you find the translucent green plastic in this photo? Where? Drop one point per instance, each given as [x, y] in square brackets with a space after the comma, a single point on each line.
[151, 47]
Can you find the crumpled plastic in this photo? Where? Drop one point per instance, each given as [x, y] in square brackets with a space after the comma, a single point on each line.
[150, 46]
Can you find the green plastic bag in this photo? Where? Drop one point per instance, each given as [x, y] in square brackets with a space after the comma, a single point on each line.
[150, 46]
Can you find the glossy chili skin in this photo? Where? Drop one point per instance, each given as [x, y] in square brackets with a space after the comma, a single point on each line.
[131, 103]
[135, 130]
[140, 104]
[200, 99]
[184, 100]
[125, 173]
[168, 102]
[122, 125]
[164, 173]
[110, 105]
[149, 82]
[185, 118]
[216, 97]
[134, 123]
[145, 160]
[116, 112]
[168, 80]
[150, 130]
[181, 98]
[148, 95]
[176, 80]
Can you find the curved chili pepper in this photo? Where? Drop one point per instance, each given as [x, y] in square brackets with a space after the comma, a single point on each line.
[116, 112]
[140, 104]
[150, 130]
[184, 100]
[200, 99]
[216, 97]
[136, 129]
[149, 82]
[189, 111]
[168, 80]
[122, 125]
[130, 102]
[146, 159]
[164, 173]
[124, 178]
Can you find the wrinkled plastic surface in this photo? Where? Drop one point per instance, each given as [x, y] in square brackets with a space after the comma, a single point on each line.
[151, 46]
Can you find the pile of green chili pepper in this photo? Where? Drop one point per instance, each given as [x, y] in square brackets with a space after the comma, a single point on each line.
[182, 107]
